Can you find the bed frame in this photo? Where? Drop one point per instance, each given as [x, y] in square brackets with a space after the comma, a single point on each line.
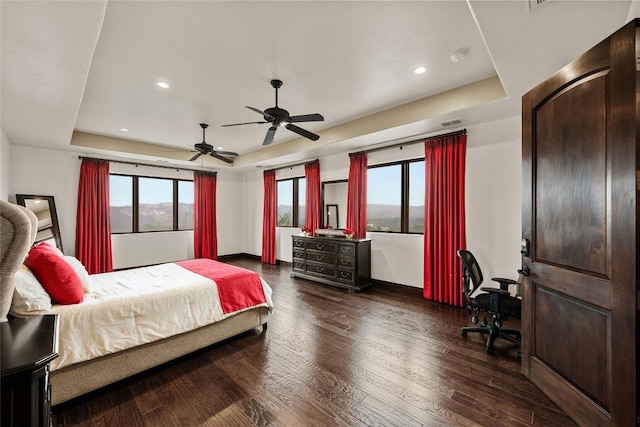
[81, 378]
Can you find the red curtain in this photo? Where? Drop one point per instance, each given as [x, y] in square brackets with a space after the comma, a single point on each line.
[205, 230]
[269, 214]
[444, 228]
[93, 222]
[312, 213]
[357, 195]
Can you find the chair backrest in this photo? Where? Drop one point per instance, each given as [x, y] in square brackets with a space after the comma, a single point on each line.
[472, 274]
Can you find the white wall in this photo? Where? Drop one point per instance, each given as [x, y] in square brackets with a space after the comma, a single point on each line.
[5, 166]
[52, 172]
[493, 186]
[493, 202]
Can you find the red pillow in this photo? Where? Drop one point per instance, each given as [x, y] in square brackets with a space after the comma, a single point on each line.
[55, 275]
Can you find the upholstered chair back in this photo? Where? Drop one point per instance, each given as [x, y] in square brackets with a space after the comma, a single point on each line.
[18, 228]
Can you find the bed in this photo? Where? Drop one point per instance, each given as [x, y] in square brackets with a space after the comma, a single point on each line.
[122, 323]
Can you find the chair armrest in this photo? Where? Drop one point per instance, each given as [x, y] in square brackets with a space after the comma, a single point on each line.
[504, 283]
[495, 291]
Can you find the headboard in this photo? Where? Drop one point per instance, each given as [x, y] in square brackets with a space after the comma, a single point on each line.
[18, 227]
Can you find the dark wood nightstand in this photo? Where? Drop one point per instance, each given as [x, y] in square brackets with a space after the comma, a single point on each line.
[28, 345]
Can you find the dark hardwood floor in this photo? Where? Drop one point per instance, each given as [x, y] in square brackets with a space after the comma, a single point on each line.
[383, 357]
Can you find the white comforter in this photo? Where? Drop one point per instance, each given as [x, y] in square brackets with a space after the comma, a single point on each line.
[128, 308]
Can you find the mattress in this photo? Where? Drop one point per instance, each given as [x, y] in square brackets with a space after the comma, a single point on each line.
[129, 308]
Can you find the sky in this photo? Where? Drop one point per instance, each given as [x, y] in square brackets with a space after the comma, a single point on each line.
[383, 185]
[152, 190]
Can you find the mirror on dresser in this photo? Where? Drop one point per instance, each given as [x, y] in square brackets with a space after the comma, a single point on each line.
[334, 203]
[45, 209]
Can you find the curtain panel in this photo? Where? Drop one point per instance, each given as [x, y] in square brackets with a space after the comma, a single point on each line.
[357, 195]
[205, 229]
[312, 201]
[269, 214]
[93, 220]
[444, 229]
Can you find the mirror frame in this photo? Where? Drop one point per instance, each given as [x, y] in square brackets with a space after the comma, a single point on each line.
[324, 206]
[22, 200]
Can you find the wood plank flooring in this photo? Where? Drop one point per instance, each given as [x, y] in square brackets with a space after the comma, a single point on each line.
[384, 357]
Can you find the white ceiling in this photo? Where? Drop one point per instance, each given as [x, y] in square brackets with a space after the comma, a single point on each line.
[92, 67]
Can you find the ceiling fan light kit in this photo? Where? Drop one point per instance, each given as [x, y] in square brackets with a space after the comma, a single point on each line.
[280, 117]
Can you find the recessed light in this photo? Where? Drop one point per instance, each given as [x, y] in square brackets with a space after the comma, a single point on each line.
[220, 148]
[420, 70]
[163, 85]
[124, 130]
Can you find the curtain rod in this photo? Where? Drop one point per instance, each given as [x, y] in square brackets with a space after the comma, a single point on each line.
[176, 168]
[293, 165]
[416, 141]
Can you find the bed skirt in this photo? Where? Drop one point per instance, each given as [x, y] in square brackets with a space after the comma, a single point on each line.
[81, 378]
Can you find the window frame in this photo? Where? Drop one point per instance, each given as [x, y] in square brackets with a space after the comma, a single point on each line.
[135, 203]
[404, 194]
[295, 201]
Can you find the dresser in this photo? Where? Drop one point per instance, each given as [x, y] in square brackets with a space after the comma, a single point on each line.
[333, 261]
[28, 345]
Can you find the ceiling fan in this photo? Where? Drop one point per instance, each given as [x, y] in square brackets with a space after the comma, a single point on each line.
[280, 117]
[204, 148]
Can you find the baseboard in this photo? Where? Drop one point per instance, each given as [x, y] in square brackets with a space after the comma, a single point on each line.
[244, 255]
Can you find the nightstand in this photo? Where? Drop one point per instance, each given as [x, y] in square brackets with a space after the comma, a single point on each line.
[28, 345]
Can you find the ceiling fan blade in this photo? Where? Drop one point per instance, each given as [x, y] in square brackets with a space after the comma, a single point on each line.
[302, 132]
[306, 118]
[260, 112]
[195, 157]
[271, 133]
[226, 153]
[217, 156]
[240, 124]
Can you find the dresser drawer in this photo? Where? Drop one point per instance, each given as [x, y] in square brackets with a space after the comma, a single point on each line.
[321, 246]
[321, 257]
[298, 243]
[321, 269]
[299, 265]
[345, 261]
[299, 253]
[346, 250]
[345, 275]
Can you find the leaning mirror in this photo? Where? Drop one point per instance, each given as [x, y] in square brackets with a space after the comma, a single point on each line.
[45, 209]
[334, 202]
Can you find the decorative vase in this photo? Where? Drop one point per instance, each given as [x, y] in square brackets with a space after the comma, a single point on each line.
[349, 236]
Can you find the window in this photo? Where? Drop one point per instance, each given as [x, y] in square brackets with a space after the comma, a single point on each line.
[142, 204]
[395, 197]
[121, 203]
[291, 194]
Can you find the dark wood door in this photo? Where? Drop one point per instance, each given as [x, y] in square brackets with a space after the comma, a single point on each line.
[579, 215]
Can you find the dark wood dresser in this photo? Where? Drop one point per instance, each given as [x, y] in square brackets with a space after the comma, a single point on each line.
[28, 345]
[333, 261]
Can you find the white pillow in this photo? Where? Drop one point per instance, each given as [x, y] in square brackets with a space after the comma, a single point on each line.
[81, 271]
[28, 296]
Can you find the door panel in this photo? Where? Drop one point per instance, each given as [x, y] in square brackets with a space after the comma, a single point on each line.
[571, 184]
[579, 213]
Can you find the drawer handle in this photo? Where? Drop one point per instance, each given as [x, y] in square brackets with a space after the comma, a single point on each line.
[319, 257]
[319, 269]
[346, 262]
[319, 246]
[345, 274]
[299, 243]
[346, 249]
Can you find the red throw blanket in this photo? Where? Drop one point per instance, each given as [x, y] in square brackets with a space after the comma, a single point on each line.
[238, 288]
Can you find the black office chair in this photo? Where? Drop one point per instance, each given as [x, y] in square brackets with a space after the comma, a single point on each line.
[496, 304]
